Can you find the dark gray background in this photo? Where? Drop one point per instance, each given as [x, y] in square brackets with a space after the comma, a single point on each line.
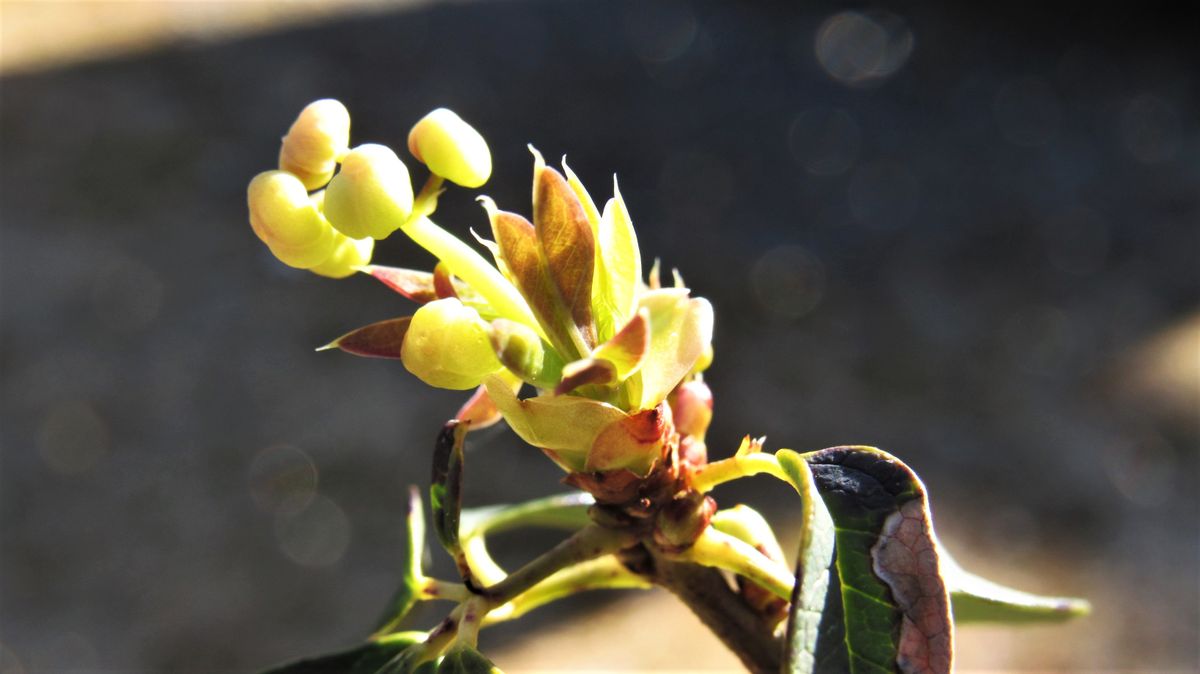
[953, 263]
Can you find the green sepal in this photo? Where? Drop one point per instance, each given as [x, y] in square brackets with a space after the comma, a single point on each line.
[365, 659]
[411, 577]
[466, 660]
[977, 599]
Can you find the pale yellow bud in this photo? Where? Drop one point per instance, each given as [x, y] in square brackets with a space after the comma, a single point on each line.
[519, 348]
[451, 148]
[348, 255]
[317, 138]
[285, 219]
[371, 196]
[447, 346]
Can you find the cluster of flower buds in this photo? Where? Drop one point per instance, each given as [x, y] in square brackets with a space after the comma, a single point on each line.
[327, 203]
[562, 306]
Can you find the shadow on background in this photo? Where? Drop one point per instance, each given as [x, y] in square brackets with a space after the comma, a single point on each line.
[968, 238]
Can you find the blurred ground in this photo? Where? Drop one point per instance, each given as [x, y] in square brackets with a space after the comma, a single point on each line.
[970, 237]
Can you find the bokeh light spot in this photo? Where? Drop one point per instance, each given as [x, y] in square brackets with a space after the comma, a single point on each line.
[316, 536]
[73, 437]
[863, 48]
[1151, 129]
[825, 142]
[788, 282]
[283, 479]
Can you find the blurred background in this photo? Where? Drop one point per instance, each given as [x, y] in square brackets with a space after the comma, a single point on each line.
[970, 236]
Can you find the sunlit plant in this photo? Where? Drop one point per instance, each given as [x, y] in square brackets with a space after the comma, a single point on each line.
[615, 360]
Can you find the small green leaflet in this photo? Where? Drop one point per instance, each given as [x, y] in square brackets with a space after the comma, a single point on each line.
[365, 659]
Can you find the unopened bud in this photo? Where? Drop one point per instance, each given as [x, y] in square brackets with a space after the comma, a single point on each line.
[347, 257]
[447, 346]
[519, 348]
[692, 404]
[317, 138]
[451, 148]
[371, 196]
[286, 219]
[680, 522]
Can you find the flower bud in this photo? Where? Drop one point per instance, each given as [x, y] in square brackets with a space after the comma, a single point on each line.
[692, 404]
[519, 348]
[447, 346]
[451, 148]
[371, 196]
[317, 138]
[347, 257]
[284, 218]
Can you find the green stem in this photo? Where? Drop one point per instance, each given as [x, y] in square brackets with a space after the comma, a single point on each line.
[735, 467]
[588, 543]
[605, 573]
[722, 551]
[561, 511]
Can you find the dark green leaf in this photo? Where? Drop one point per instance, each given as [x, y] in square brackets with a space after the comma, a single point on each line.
[464, 660]
[365, 659]
[895, 610]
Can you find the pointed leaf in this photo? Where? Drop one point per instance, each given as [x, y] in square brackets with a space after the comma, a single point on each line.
[621, 258]
[976, 599]
[568, 425]
[895, 609]
[585, 372]
[377, 340]
[679, 330]
[443, 283]
[364, 659]
[627, 349]
[567, 245]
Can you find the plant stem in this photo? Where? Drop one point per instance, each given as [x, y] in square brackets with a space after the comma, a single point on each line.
[589, 542]
[722, 551]
[718, 472]
[735, 623]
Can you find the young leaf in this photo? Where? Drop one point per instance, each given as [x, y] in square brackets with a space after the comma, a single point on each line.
[567, 245]
[364, 659]
[518, 245]
[479, 411]
[627, 349]
[377, 340]
[621, 259]
[564, 425]
[415, 285]
[584, 372]
[466, 660]
[895, 609]
[634, 443]
[679, 330]
[809, 595]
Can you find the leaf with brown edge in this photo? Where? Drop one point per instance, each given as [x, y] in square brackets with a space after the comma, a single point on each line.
[567, 244]
[627, 349]
[634, 443]
[516, 240]
[377, 340]
[584, 372]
